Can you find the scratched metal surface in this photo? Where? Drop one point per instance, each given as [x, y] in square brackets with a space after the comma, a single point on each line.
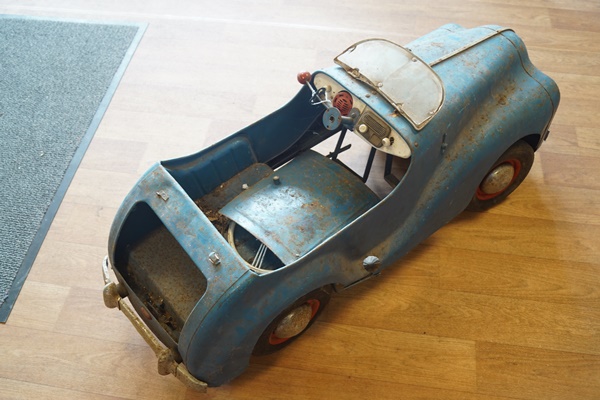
[315, 198]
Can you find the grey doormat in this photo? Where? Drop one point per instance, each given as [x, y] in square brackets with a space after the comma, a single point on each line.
[57, 78]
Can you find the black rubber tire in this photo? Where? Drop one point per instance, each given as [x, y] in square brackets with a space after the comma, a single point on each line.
[521, 155]
[265, 344]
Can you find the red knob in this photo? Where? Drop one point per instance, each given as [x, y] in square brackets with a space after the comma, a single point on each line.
[304, 77]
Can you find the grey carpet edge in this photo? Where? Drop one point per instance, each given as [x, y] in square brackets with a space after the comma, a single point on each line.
[8, 304]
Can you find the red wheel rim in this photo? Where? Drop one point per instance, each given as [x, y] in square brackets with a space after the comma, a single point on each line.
[314, 305]
[516, 164]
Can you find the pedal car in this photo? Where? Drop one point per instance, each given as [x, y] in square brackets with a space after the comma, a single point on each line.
[236, 250]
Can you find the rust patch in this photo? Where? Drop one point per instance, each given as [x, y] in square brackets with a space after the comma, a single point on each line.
[502, 100]
[220, 222]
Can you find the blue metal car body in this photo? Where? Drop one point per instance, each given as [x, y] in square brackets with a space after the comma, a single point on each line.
[208, 305]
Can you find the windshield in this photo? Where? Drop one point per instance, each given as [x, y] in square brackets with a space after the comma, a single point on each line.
[407, 82]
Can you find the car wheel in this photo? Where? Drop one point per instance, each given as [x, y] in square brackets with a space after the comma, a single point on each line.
[504, 177]
[292, 322]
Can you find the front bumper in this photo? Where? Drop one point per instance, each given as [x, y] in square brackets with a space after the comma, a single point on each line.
[114, 295]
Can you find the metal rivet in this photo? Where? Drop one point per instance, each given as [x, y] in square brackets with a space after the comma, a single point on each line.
[371, 264]
[163, 195]
[214, 258]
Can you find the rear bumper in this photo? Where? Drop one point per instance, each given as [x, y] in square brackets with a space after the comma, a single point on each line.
[114, 294]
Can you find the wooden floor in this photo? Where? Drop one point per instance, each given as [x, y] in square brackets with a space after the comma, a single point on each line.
[497, 305]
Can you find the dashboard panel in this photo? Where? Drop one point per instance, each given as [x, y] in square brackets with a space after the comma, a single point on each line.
[367, 124]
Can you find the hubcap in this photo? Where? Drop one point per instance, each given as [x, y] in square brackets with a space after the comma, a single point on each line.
[499, 179]
[295, 322]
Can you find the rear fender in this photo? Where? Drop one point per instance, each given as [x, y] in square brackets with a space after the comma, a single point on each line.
[219, 348]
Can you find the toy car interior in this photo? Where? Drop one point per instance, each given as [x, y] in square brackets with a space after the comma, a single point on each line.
[235, 250]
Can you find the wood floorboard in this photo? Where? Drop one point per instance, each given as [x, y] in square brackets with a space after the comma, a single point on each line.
[497, 305]
[13, 389]
[471, 316]
[302, 384]
[534, 373]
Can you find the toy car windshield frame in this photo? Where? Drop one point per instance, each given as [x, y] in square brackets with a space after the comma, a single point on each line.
[406, 81]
